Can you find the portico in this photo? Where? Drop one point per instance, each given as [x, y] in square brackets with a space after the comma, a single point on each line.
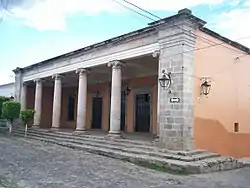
[82, 100]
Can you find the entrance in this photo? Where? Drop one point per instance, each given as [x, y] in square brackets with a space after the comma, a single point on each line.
[96, 113]
[123, 110]
[142, 112]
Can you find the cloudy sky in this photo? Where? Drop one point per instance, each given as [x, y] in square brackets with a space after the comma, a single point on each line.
[35, 30]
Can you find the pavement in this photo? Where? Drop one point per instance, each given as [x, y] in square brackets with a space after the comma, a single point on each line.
[34, 164]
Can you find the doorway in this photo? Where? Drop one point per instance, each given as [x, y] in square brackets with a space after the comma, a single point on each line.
[96, 113]
[142, 112]
[123, 110]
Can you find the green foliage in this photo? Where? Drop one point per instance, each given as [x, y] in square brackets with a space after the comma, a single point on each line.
[2, 100]
[11, 110]
[27, 115]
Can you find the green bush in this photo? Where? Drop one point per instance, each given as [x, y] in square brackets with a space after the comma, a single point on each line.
[2, 100]
[27, 115]
[11, 110]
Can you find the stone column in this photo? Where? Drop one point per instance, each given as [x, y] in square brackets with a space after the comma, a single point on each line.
[82, 101]
[115, 108]
[176, 119]
[38, 102]
[23, 96]
[18, 83]
[56, 116]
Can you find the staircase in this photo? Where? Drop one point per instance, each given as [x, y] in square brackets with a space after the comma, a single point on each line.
[138, 152]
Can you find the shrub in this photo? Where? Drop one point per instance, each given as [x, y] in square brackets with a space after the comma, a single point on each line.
[2, 100]
[11, 110]
[27, 115]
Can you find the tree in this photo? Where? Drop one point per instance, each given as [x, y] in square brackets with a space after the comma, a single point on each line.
[11, 111]
[2, 100]
[27, 115]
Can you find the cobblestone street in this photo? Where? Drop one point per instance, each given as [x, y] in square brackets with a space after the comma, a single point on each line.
[33, 164]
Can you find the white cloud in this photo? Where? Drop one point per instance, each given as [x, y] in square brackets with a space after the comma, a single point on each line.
[52, 14]
[234, 24]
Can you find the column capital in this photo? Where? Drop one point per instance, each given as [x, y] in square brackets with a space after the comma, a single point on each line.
[57, 76]
[37, 80]
[115, 64]
[156, 53]
[82, 71]
[25, 83]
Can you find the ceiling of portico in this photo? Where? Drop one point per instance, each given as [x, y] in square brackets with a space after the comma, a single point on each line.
[132, 68]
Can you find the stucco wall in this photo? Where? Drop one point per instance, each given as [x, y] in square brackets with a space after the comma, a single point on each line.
[7, 90]
[228, 101]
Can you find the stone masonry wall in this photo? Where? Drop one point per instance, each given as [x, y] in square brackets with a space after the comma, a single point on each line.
[176, 120]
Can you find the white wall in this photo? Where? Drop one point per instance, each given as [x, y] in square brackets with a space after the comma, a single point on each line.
[7, 90]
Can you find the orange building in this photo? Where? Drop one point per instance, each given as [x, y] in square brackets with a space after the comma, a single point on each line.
[174, 79]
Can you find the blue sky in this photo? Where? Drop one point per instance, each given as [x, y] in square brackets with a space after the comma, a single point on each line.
[35, 30]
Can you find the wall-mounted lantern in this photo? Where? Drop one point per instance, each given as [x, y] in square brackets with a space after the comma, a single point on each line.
[165, 80]
[97, 93]
[205, 87]
[127, 90]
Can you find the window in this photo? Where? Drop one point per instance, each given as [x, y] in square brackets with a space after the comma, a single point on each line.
[236, 127]
[71, 108]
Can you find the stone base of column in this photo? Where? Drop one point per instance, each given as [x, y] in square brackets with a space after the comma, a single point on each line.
[80, 132]
[35, 126]
[114, 135]
[156, 138]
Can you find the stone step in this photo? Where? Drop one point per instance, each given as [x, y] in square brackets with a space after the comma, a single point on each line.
[131, 149]
[116, 142]
[195, 167]
[124, 142]
[154, 151]
[95, 137]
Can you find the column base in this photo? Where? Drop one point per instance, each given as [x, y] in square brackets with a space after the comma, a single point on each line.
[156, 138]
[35, 126]
[80, 132]
[114, 135]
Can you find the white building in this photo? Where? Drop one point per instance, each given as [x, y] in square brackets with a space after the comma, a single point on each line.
[7, 90]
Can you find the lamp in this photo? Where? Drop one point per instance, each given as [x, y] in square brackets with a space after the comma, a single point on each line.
[205, 87]
[97, 93]
[165, 80]
[127, 90]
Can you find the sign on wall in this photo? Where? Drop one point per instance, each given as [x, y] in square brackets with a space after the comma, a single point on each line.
[175, 100]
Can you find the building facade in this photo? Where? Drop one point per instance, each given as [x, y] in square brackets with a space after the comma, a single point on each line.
[116, 86]
[7, 90]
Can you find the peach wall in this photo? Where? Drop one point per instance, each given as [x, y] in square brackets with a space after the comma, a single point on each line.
[66, 92]
[30, 97]
[47, 107]
[47, 103]
[228, 101]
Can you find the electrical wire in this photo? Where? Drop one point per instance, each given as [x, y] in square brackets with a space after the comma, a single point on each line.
[206, 47]
[143, 9]
[202, 38]
[134, 10]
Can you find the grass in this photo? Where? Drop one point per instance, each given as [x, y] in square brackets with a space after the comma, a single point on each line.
[160, 168]
[4, 183]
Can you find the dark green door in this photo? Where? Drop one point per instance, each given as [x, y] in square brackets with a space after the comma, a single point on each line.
[142, 113]
[97, 113]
